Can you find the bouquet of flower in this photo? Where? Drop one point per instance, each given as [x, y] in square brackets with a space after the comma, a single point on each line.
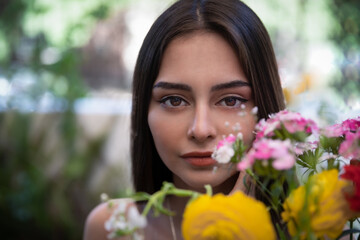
[310, 177]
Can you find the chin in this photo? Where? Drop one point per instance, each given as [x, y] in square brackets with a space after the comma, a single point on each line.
[222, 183]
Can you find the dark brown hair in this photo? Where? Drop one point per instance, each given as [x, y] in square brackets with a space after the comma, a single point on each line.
[243, 30]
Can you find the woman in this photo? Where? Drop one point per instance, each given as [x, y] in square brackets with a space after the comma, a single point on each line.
[201, 63]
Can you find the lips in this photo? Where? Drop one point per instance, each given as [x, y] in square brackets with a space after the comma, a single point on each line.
[199, 159]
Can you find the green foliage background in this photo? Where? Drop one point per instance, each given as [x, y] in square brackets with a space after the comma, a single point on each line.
[346, 35]
[34, 204]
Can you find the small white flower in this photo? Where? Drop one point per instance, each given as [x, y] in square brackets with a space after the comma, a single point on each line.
[121, 207]
[242, 106]
[124, 217]
[104, 197]
[227, 124]
[109, 224]
[121, 224]
[137, 236]
[224, 154]
[136, 220]
[239, 136]
[270, 128]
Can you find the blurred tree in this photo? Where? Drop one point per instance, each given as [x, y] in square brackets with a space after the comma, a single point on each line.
[103, 65]
[41, 57]
[346, 36]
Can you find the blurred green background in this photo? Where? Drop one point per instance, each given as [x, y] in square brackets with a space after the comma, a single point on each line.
[65, 95]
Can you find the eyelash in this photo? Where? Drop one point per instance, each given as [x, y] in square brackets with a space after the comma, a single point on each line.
[236, 105]
[166, 101]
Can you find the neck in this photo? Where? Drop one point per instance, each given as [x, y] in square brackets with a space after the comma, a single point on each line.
[176, 205]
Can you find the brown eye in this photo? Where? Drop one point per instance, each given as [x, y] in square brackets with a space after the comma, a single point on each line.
[173, 101]
[230, 101]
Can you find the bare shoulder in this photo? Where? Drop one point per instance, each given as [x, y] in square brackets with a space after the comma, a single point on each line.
[95, 222]
[94, 225]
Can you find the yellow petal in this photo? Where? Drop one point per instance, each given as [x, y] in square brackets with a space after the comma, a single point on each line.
[326, 208]
[227, 217]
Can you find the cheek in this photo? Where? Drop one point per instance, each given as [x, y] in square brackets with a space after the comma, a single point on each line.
[156, 128]
[165, 132]
[248, 131]
[234, 124]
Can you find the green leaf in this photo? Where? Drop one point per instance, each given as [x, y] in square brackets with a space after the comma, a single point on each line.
[310, 158]
[302, 163]
[331, 144]
[280, 232]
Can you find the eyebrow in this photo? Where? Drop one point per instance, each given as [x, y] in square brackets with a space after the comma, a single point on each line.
[167, 85]
[232, 84]
[185, 87]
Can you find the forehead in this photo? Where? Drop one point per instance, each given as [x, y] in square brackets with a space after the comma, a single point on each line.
[198, 56]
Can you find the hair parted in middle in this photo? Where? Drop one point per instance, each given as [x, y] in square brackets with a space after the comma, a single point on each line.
[245, 33]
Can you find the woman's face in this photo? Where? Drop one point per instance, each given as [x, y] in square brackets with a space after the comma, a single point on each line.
[199, 97]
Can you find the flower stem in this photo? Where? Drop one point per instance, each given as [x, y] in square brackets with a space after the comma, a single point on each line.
[273, 205]
[156, 200]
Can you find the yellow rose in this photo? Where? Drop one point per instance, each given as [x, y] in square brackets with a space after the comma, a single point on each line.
[223, 217]
[326, 210]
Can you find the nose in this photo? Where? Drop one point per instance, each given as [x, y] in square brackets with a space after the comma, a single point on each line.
[202, 127]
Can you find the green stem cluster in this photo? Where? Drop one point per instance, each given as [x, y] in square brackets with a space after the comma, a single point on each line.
[156, 200]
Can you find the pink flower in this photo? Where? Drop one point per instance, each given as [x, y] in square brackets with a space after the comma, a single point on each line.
[301, 147]
[352, 125]
[229, 140]
[224, 151]
[292, 122]
[279, 153]
[338, 130]
[350, 147]
[335, 130]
